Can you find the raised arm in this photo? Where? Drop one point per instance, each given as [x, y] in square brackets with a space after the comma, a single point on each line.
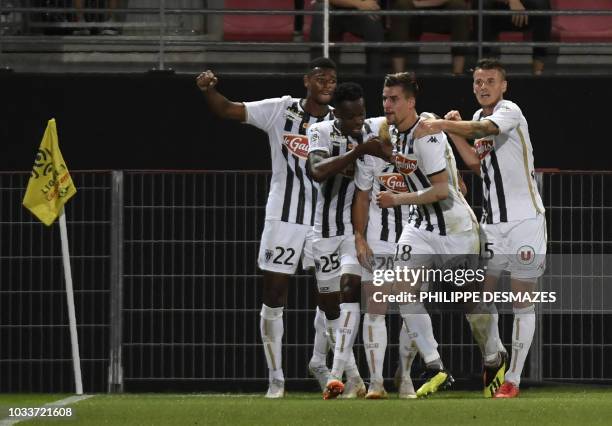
[466, 151]
[218, 103]
[465, 129]
[323, 167]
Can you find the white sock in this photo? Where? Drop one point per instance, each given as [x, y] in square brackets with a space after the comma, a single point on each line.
[418, 325]
[321, 345]
[345, 337]
[375, 343]
[494, 330]
[522, 335]
[407, 351]
[271, 327]
[483, 324]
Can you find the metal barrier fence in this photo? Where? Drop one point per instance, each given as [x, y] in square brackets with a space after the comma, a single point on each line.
[165, 24]
[168, 293]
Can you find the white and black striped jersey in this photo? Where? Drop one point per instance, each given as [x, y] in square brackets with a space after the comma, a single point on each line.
[419, 159]
[333, 213]
[375, 174]
[293, 193]
[506, 163]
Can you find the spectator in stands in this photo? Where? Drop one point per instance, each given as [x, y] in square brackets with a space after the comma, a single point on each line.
[410, 28]
[540, 26]
[367, 27]
[106, 18]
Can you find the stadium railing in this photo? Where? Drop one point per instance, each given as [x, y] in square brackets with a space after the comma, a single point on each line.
[168, 293]
[163, 27]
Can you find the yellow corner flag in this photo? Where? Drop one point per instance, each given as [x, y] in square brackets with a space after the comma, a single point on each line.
[50, 185]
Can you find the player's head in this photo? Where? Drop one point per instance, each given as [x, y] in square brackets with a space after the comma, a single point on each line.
[399, 96]
[320, 80]
[489, 82]
[350, 108]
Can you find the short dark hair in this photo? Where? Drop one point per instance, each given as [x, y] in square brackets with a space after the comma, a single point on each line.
[347, 92]
[321, 62]
[407, 80]
[491, 64]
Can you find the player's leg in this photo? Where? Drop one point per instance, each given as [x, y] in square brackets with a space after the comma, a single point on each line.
[528, 241]
[483, 317]
[279, 252]
[415, 250]
[374, 331]
[407, 354]
[317, 366]
[345, 262]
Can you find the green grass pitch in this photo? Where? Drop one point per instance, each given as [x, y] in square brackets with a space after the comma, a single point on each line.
[573, 405]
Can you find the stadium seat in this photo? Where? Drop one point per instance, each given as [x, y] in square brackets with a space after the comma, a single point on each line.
[260, 27]
[582, 28]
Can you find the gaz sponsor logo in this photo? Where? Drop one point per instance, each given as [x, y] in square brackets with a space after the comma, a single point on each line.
[404, 164]
[483, 147]
[393, 182]
[525, 255]
[297, 144]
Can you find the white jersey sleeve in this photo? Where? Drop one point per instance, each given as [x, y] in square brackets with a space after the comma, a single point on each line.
[318, 138]
[506, 116]
[432, 153]
[364, 174]
[264, 114]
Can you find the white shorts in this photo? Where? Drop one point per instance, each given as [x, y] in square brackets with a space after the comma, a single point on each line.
[384, 258]
[282, 246]
[518, 247]
[418, 247]
[334, 257]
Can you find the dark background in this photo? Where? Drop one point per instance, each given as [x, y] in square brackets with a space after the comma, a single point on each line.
[144, 121]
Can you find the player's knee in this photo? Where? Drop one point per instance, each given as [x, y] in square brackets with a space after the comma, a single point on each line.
[330, 304]
[275, 289]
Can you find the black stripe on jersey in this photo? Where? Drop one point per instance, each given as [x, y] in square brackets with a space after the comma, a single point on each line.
[419, 219]
[314, 190]
[398, 222]
[384, 231]
[425, 183]
[340, 205]
[488, 212]
[499, 188]
[289, 121]
[299, 217]
[288, 187]
[327, 198]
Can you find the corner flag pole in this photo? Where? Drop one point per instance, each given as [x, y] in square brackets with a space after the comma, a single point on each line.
[74, 339]
[49, 188]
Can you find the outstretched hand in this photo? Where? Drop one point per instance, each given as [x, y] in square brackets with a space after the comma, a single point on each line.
[426, 127]
[385, 199]
[206, 80]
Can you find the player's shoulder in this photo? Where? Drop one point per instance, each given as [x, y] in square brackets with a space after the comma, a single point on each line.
[322, 126]
[506, 106]
[374, 123]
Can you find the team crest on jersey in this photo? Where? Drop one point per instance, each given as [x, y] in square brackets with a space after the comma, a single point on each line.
[483, 147]
[404, 164]
[394, 182]
[268, 255]
[298, 144]
[525, 255]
